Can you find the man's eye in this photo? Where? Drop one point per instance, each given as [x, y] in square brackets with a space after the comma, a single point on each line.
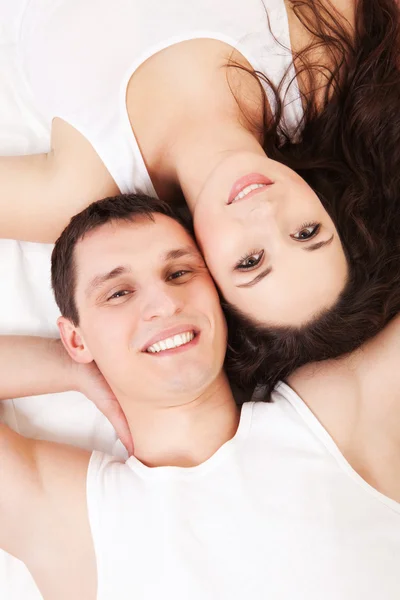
[250, 261]
[177, 274]
[119, 294]
[306, 232]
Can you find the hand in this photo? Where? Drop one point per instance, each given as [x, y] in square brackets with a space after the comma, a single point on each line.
[93, 385]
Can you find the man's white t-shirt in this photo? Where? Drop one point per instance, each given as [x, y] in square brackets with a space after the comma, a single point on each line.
[276, 513]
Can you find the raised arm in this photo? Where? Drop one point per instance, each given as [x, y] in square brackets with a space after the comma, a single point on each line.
[32, 365]
[43, 515]
[40, 193]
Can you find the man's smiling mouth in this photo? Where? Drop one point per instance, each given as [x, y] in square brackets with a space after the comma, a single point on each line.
[180, 339]
[172, 340]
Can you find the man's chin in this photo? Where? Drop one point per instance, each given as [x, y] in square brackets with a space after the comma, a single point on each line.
[188, 383]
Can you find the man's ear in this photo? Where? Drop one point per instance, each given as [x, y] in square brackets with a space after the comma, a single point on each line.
[73, 341]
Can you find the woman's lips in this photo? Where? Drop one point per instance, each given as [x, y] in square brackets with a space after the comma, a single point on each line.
[245, 181]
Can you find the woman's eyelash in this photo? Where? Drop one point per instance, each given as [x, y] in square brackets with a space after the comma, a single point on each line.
[308, 225]
[239, 265]
[305, 225]
[314, 227]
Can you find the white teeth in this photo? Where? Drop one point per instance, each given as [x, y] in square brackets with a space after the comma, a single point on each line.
[247, 190]
[173, 342]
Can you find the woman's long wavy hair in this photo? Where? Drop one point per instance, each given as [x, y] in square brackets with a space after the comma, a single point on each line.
[348, 151]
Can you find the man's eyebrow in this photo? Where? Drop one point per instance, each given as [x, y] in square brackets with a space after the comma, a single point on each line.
[181, 253]
[318, 245]
[102, 278]
[256, 279]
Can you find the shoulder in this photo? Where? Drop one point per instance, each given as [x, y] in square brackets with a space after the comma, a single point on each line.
[192, 77]
[42, 496]
[281, 416]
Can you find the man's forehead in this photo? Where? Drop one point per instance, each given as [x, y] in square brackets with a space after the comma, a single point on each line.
[125, 245]
[157, 228]
[142, 231]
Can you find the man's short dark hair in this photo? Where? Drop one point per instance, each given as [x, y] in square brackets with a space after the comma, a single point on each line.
[125, 207]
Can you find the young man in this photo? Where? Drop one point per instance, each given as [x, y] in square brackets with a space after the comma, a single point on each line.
[216, 502]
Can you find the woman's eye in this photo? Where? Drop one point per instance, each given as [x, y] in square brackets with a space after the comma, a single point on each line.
[119, 294]
[250, 261]
[306, 232]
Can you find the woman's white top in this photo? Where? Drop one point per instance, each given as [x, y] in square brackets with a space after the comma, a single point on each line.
[79, 55]
[276, 513]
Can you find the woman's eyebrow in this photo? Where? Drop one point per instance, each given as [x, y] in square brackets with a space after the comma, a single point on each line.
[256, 279]
[318, 245]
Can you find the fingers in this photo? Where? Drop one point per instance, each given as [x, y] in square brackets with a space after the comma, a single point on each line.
[118, 420]
[112, 410]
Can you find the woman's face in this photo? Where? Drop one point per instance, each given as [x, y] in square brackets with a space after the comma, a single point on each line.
[270, 245]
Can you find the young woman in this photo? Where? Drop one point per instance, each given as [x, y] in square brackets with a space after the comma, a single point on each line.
[279, 123]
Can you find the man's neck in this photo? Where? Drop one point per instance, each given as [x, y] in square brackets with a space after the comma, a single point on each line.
[184, 432]
[357, 399]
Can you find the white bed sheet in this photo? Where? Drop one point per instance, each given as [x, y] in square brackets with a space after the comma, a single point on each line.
[26, 302]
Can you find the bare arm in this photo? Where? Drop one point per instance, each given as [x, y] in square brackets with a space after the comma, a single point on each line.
[32, 365]
[43, 515]
[40, 193]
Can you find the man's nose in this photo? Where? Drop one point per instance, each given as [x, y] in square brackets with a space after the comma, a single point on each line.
[161, 302]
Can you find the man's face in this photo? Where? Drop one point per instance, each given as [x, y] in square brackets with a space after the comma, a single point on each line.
[149, 312]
